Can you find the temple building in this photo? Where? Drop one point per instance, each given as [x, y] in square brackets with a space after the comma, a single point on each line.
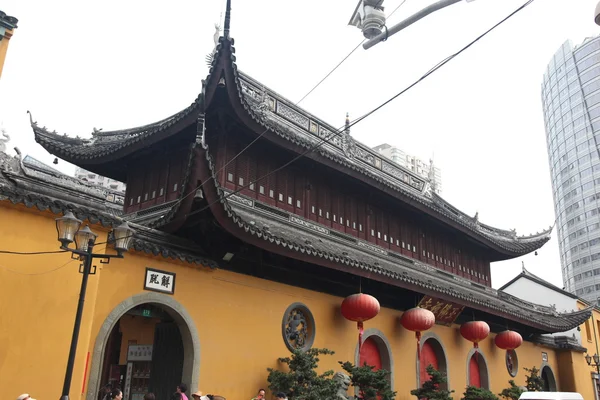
[241, 257]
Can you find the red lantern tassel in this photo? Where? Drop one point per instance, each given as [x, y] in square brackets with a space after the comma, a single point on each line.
[360, 335]
[418, 335]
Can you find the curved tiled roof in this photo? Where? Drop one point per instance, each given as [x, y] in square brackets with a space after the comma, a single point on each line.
[291, 232]
[43, 193]
[282, 118]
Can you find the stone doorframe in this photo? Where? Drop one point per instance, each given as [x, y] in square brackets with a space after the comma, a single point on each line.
[187, 329]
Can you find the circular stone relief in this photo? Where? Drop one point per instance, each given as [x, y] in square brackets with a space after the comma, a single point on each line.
[512, 362]
[298, 327]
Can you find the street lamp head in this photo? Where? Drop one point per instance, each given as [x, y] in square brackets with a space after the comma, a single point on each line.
[596, 359]
[123, 237]
[369, 17]
[588, 359]
[67, 226]
[83, 237]
[597, 14]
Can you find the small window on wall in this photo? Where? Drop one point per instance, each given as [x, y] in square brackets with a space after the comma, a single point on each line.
[588, 332]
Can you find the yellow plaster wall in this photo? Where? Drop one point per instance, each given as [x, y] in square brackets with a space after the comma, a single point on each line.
[38, 301]
[4, 47]
[239, 322]
[238, 319]
[591, 343]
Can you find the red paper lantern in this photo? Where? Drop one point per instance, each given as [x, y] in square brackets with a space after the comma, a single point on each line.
[475, 331]
[359, 308]
[418, 320]
[508, 340]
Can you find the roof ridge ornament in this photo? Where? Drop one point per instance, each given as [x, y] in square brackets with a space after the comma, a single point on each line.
[4, 139]
[227, 25]
[348, 143]
[211, 57]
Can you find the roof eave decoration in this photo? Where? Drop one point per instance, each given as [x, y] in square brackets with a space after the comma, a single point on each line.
[104, 146]
[36, 192]
[298, 238]
[264, 109]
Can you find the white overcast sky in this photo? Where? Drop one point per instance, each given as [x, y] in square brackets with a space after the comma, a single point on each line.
[116, 64]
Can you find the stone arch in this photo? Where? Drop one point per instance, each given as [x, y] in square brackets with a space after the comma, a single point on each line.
[187, 329]
[483, 368]
[547, 374]
[440, 353]
[385, 350]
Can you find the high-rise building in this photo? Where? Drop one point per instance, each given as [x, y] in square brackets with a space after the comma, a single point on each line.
[571, 106]
[99, 180]
[415, 164]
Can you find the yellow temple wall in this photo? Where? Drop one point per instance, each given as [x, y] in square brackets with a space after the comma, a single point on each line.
[238, 319]
[4, 41]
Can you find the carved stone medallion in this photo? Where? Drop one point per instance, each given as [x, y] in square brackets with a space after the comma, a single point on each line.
[298, 327]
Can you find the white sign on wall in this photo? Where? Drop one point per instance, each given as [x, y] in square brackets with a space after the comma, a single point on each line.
[159, 281]
[139, 352]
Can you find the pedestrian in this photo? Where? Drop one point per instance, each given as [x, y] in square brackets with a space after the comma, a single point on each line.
[115, 394]
[281, 396]
[176, 396]
[104, 391]
[25, 396]
[197, 395]
[149, 396]
[182, 388]
[260, 396]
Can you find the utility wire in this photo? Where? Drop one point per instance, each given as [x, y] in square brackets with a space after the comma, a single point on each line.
[326, 139]
[37, 273]
[298, 102]
[34, 253]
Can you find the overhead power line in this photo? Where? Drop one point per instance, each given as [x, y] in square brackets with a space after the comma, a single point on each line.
[298, 102]
[362, 118]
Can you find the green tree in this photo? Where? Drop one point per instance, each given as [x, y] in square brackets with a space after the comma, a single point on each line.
[513, 392]
[534, 382]
[302, 382]
[475, 393]
[432, 389]
[372, 385]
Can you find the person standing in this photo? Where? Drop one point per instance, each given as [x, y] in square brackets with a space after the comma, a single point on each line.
[260, 396]
[182, 388]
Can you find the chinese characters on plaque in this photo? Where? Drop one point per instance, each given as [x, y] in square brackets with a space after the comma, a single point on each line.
[159, 281]
[445, 312]
[139, 352]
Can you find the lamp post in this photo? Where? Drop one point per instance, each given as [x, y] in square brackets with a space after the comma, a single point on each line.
[596, 363]
[68, 228]
[369, 16]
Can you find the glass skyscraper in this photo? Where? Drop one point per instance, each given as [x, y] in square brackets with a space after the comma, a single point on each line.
[571, 105]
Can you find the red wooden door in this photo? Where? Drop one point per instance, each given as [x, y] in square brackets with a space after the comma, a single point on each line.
[475, 378]
[428, 357]
[369, 353]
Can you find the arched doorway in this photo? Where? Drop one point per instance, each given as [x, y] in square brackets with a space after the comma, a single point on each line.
[375, 351]
[432, 353]
[148, 342]
[477, 371]
[548, 377]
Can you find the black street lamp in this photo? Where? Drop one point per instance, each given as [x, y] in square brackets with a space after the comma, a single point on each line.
[596, 362]
[69, 231]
